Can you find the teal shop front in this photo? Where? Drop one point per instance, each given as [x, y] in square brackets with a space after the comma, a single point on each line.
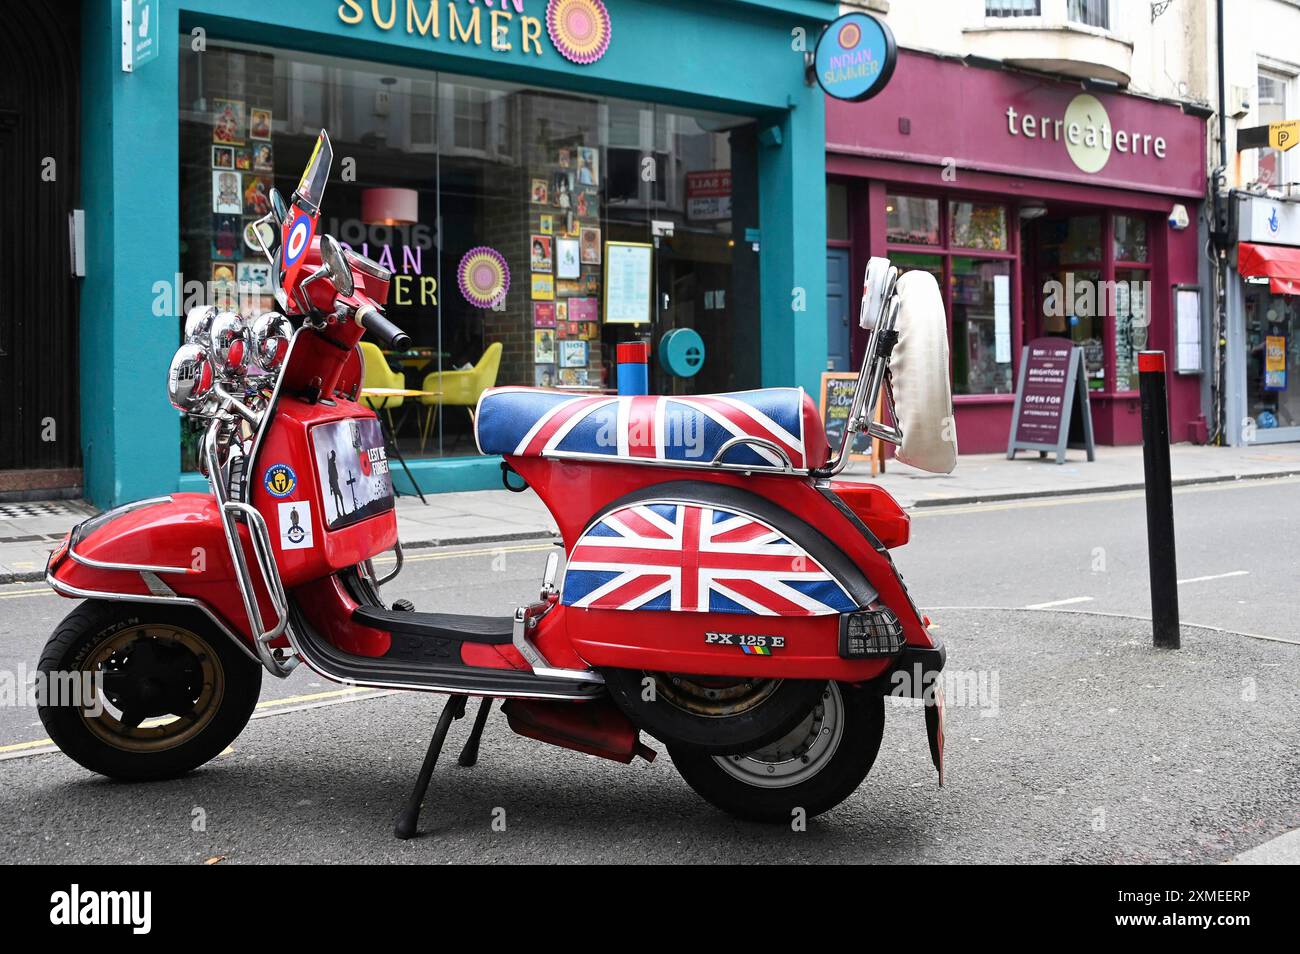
[629, 169]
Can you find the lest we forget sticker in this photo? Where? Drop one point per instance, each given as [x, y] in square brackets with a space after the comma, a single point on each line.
[352, 462]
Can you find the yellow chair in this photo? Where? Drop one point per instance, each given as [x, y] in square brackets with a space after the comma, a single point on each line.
[461, 388]
[379, 375]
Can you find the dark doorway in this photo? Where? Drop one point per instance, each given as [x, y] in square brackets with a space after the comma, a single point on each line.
[40, 155]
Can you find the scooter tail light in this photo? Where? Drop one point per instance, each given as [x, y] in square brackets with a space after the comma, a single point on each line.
[870, 633]
[876, 508]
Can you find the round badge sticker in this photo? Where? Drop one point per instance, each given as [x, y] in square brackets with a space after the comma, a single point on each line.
[855, 57]
[280, 480]
[298, 234]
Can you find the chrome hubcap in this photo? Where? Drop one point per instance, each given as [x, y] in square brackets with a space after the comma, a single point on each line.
[797, 756]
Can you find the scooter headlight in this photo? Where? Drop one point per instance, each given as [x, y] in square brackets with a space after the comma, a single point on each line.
[189, 379]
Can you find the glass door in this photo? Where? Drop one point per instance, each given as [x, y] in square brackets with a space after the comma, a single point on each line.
[1272, 365]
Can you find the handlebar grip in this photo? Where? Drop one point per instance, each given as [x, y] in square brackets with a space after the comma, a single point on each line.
[370, 318]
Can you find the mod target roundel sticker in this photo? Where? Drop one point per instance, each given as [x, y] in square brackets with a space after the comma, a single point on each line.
[580, 29]
[299, 236]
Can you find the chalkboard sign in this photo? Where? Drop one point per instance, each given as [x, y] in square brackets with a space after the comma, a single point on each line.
[1051, 400]
[836, 402]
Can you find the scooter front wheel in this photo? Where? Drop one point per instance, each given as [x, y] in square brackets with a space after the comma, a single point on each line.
[141, 692]
[813, 768]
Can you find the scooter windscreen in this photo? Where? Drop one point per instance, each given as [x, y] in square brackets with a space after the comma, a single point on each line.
[299, 226]
[919, 372]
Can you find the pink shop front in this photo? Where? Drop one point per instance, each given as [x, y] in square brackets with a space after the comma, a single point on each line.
[1044, 208]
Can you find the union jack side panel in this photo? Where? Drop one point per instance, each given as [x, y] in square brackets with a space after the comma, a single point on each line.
[699, 559]
[544, 423]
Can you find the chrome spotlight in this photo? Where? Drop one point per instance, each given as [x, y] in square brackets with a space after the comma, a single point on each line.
[198, 324]
[269, 340]
[189, 379]
[229, 343]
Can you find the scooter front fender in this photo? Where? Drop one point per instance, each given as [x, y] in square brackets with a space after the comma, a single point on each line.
[169, 549]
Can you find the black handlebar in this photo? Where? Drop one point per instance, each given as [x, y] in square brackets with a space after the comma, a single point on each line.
[370, 318]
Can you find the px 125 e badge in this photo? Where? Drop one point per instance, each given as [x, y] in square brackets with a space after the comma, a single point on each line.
[750, 644]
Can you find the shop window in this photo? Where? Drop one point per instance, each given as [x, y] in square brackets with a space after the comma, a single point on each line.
[443, 164]
[837, 212]
[981, 325]
[1130, 242]
[1272, 360]
[978, 225]
[912, 220]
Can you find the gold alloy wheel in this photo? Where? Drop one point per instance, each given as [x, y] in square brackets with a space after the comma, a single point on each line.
[713, 697]
[156, 686]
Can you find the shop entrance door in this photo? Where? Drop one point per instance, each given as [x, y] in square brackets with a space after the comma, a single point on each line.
[39, 137]
[838, 357]
[1272, 365]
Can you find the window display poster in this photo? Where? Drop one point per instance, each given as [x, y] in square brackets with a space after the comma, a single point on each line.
[627, 282]
[1275, 362]
[541, 253]
[543, 288]
[583, 309]
[544, 314]
[567, 264]
[590, 246]
[573, 354]
[544, 346]
[1002, 318]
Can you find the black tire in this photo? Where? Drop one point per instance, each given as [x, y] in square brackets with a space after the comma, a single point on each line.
[842, 771]
[202, 662]
[787, 702]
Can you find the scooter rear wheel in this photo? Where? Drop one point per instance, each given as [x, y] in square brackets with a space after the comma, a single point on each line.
[158, 690]
[814, 767]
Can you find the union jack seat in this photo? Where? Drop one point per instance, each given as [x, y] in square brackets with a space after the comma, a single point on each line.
[673, 429]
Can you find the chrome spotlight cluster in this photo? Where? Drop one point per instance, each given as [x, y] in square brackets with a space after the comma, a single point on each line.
[225, 362]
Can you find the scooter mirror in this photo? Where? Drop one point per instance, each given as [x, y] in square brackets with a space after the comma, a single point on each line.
[278, 207]
[331, 255]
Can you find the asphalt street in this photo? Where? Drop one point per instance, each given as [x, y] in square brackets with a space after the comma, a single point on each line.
[1082, 743]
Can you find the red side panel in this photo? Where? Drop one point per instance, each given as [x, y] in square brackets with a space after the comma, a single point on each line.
[597, 485]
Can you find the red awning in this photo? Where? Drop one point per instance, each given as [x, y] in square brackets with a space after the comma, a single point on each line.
[1280, 264]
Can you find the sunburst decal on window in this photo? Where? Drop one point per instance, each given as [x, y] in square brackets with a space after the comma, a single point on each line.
[484, 276]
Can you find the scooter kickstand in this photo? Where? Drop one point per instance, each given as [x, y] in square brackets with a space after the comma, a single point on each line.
[409, 820]
[469, 754]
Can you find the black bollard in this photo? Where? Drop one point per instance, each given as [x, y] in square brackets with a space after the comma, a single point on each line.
[1160, 499]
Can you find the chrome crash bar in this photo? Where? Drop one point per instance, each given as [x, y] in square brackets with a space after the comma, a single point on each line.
[276, 662]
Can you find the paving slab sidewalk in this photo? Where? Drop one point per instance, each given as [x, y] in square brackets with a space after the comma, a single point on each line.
[29, 531]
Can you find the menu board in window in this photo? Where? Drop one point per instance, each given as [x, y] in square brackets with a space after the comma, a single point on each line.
[628, 271]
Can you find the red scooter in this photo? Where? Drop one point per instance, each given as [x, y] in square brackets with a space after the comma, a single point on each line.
[722, 591]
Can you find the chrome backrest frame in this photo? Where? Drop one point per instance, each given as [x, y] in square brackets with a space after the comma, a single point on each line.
[874, 375]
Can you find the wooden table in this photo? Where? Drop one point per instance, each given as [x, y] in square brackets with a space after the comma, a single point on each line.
[387, 394]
